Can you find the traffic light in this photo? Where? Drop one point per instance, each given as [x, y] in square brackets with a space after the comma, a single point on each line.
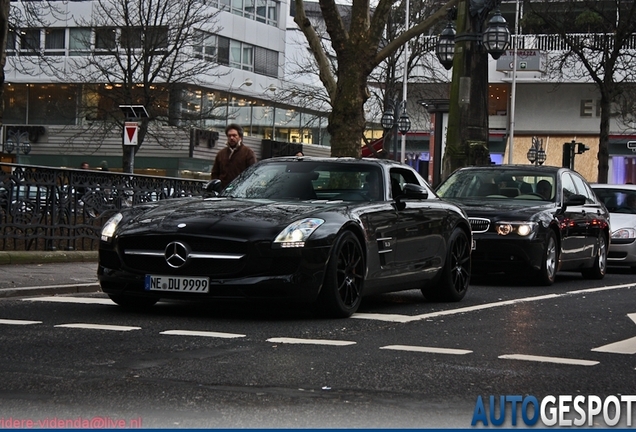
[568, 155]
[581, 148]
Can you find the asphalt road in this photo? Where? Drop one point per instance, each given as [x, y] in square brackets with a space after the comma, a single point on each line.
[402, 362]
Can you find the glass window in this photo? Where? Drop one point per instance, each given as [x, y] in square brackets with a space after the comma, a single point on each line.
[15, 103]
[131, 37]
[237, 7]
[55, 42]
[52, 104]
[205, 46]
[105, 38]
[79, 41]
[157, 37]
[261, 10]
[29, 42]
[568, 186]
[11, 39]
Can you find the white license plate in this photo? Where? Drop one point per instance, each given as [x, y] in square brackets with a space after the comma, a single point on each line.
[177, 283]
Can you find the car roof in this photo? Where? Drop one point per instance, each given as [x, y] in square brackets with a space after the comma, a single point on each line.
[625, 187]
[518, 167]
[344, 160]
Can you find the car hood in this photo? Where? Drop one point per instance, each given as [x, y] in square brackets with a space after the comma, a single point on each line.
[506, 209]
[622, 220]
[223, 216]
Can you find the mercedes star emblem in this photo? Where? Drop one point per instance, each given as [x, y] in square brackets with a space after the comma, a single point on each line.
[176, 254]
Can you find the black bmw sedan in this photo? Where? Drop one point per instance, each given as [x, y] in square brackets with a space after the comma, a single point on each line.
[327, 231]
[538, 218]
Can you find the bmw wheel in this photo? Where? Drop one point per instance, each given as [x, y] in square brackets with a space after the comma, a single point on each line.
[597, 271]
[547, 274]
[342, 288]
[453, 282]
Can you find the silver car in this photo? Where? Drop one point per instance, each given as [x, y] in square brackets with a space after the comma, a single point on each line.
[620, 200]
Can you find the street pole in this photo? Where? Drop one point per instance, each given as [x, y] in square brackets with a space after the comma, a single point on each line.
[513, 94]
[405, 77]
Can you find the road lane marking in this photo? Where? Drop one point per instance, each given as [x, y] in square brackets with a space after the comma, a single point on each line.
[559, 360]
[83, 300]
[433, 350]
[409, 318]
[310, 341]
[98, 327]
[627, 346]
[202, 333]
[18, 322]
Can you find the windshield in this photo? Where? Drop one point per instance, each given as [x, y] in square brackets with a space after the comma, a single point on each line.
[502, 184]
[617, 200]
[307, 180]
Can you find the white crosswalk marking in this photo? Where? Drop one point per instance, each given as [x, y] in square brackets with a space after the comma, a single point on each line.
[433, 350]
[559, 360]
[18, 322]
[627, 346]
[310, 341]
[83, 300]
[98, 327]
[202, 333]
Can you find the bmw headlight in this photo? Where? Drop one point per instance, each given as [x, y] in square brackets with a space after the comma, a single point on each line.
[297, 233]
[624, 233]
[522, 229]
[108, 231]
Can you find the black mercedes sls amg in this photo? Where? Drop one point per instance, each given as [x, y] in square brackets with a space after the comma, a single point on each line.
[326, 231]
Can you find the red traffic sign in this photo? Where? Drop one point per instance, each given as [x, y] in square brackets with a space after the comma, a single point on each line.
[131, 132]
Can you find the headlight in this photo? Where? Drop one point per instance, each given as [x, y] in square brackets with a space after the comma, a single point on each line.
[522, 229]
[297, 233]
[108, 231]
[624, 233]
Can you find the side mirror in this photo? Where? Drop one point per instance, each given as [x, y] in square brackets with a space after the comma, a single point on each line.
[575, 200]
[413, 191]
[213, 187]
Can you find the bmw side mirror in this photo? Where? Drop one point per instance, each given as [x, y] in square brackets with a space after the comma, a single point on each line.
[575, 200]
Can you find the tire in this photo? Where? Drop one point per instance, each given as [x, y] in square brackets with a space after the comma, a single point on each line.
[341, 291]
[133, 303]
[547, 273]
[452, 284]
[598, 269]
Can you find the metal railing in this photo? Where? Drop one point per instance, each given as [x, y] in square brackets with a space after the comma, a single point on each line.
[43, 208]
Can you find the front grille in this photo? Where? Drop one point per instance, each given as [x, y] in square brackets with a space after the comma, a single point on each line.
[479, 225]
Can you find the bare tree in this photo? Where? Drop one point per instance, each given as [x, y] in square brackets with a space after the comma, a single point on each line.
[596, 35]
[359, 46]
[137, 52]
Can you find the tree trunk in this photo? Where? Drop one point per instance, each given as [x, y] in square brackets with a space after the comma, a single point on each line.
[347, 120]
[603, 142]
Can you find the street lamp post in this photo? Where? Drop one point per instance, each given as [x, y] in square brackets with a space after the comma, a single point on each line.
[395, 119]
[467, 53]
[536, 155]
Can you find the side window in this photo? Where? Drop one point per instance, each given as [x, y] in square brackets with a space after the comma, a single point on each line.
[400, 177]
[582, 189]
[568, 185]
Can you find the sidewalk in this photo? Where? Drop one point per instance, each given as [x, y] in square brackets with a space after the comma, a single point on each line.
[25, 274]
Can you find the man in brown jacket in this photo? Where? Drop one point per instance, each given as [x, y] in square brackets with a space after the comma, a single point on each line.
[234, 158]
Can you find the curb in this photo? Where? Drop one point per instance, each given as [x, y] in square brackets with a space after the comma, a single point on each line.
[50, 290]
[46, 257]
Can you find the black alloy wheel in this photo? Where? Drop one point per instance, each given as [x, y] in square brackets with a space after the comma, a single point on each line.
[341, 291]
[455, 277]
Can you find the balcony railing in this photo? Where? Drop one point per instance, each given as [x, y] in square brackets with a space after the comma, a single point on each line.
[44, 208]
[552, 42]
